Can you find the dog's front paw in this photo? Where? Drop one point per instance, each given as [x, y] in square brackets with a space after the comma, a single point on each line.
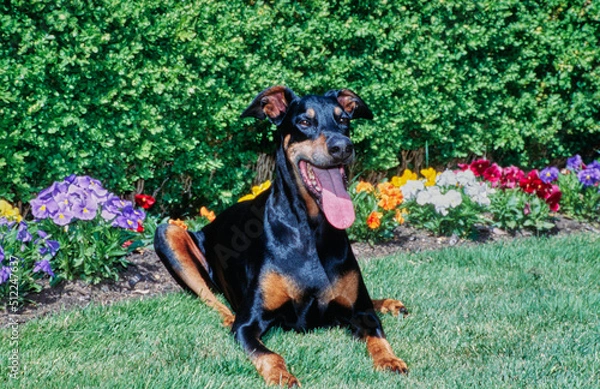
[283, 378]
[391, 363]
[272, 368]
[392, 306]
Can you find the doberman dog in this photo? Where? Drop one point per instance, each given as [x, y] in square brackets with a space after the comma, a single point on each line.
[284, 258]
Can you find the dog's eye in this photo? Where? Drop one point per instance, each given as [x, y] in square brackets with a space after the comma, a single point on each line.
[344, 121]
[304, 123]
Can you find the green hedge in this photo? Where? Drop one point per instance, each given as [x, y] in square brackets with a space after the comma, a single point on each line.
[151, 90]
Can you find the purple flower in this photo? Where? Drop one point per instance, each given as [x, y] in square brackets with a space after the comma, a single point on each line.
[62, 216]
[5, 273]
[128, 218]
[589, 177]
[549, 174]
[42, 234]
[113, 207]
[63, 199]
[574, 163]
[92, 187]
[85, 208]
[23, 233]
[43, 265]
[43, 208]
[48, 192]
[594, 165]
[52, 247]
[1, 254]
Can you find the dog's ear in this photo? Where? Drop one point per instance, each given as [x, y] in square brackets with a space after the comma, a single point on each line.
[351, 103]
[273, 103]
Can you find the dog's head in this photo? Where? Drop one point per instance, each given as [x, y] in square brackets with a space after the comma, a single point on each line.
[314, 132]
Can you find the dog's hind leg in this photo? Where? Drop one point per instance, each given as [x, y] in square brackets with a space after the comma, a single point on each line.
[186, 263]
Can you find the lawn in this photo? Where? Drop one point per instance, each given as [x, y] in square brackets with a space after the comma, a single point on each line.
[520, 314]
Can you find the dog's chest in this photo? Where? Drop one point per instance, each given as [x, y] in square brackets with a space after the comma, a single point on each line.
[305, 299]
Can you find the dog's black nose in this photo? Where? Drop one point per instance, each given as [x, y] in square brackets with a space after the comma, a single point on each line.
[340, 148]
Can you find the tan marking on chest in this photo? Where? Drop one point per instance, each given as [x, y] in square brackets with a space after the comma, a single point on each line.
[344, 290]
[277, 290]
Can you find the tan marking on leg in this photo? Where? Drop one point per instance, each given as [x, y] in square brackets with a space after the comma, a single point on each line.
[383, 356]
[188, 256]
[273, 369]
[390, 306]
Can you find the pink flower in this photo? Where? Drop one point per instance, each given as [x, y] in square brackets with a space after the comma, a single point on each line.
[511, 177]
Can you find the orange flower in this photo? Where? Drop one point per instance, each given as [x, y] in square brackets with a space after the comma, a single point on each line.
[389, 196]
[364, 186]
[400, 215]
[178, 223]
[210, 215]
[374, 220]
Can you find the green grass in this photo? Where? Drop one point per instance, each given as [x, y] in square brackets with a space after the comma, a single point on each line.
[523, 314]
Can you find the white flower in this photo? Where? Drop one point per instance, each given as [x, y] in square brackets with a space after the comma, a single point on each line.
[447, 178]
[466, 177]
[411, 188]
[478, 192]
[454, 198]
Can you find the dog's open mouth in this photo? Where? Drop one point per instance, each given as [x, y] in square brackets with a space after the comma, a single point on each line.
[328, 187]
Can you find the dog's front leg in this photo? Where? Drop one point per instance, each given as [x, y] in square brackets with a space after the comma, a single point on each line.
[271, 366]
[367, 327]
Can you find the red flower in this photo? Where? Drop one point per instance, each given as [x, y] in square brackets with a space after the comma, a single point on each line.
[144, 201]
[553, 198]
[493, 173]
[479, 166]
[530, 183]
[543, 190]
[140, 227]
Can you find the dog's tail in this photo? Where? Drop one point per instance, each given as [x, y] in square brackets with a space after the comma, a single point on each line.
[185, 262]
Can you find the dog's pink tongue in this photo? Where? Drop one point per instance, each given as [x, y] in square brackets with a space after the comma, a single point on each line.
[335, 200]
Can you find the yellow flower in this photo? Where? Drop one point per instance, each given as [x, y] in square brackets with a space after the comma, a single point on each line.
[364, 186]
[374, 220]
[210, 215]
[407, 175]
[256, 190]
[178, 223]
[430, 175]
[9, 212]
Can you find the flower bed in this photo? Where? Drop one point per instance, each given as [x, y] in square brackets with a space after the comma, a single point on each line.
[82, 231]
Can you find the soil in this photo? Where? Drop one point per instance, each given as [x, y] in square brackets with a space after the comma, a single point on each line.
[146, 276]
